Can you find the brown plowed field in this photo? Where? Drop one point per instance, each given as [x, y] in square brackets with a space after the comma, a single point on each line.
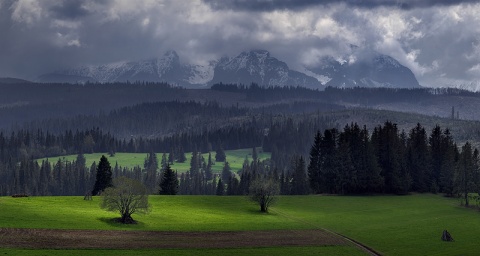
[101, 239]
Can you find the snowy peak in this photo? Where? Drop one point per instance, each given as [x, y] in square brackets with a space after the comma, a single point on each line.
[166, 68]
[358, 68]
[257, 66]
[364, 69]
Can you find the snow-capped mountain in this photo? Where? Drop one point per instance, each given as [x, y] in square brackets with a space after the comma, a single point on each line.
[164, 69]
[364, 70]
[256, 66]
[259, 67]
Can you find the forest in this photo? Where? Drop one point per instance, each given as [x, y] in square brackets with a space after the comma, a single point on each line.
[328, 141]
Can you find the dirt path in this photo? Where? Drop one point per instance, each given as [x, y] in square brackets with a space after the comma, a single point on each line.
[100, 239]
[361, 246]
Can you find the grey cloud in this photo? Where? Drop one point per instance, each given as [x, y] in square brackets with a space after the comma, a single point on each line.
[136, 30]
[72, 9]
[270, 5]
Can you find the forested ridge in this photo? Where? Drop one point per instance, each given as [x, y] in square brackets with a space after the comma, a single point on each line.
[317, 145]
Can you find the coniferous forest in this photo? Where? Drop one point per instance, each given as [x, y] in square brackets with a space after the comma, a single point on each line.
[333, 142]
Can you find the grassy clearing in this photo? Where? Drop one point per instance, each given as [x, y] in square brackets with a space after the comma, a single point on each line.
[234, 157]
[392, 225]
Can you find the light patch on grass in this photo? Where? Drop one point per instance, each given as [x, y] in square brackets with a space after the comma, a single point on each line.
[234, 157]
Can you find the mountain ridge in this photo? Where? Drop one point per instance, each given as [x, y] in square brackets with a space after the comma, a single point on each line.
[254, 66]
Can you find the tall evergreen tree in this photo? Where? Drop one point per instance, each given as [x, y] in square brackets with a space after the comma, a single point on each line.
[254, 154]
[465, 182]
[226, 173]
[151, 167]
[220, 154]
[164, 161]
[220, 188]
[348, 144]
[418, 159]
[169, 182]
[208, 168]
[368, 171]
[299, 177]
[388, 150]
[447, 171]
[232, 186]
[314, 167]
[329, 162]
[104, 176]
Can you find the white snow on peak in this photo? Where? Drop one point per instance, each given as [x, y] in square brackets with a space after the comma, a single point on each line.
[202, 74]
[321, 78]
[385, 60]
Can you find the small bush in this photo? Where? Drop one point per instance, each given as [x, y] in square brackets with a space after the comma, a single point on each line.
[20, 195]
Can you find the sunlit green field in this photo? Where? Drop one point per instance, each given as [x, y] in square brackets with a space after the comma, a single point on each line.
[392, 225]
[234, 157]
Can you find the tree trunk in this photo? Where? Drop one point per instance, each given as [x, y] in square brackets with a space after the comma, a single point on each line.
[263, 207]
[127, 219]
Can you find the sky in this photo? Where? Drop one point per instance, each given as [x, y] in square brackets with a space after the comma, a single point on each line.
[438, 40]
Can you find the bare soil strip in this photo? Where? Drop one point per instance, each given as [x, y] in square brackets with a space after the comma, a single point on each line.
[102, 239]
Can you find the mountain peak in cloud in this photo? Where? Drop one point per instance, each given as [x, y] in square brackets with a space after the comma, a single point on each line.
[364, 68]
[359, 68]
[257, 66]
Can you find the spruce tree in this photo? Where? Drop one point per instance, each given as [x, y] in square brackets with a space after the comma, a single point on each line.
[226, 173]
[254, 154]
[418, 159]
[329, 162]
[104, 176]
[220, 188]
[208, 168]
[369, 179]
[220, 154]
[314, 165]
[465, 182]
[299, 177]
[151, 166]
[169, 182]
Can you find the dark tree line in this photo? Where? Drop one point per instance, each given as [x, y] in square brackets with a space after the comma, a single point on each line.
[392, 161]
[147, 119]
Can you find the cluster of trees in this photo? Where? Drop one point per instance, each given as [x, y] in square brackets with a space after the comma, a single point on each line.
[356, 95]
[152, 119]
[392, 161]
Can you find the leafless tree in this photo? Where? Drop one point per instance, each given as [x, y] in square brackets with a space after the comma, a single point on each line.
[127, 196]
[264, 192]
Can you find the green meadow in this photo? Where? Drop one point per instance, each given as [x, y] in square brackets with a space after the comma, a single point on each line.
[391, 225]
[234, 157]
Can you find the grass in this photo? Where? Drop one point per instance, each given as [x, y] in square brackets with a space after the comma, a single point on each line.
[392, 225]
[234, 157]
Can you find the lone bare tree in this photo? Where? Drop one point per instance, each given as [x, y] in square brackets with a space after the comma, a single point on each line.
[127, 196]
[264, 192]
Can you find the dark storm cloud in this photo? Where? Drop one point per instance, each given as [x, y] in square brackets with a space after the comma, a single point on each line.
[41, 36]
[72, 9]
[269, 5]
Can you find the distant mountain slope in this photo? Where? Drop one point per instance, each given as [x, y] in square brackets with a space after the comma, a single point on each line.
[256, 66]
[164, 69]
[11, 80]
